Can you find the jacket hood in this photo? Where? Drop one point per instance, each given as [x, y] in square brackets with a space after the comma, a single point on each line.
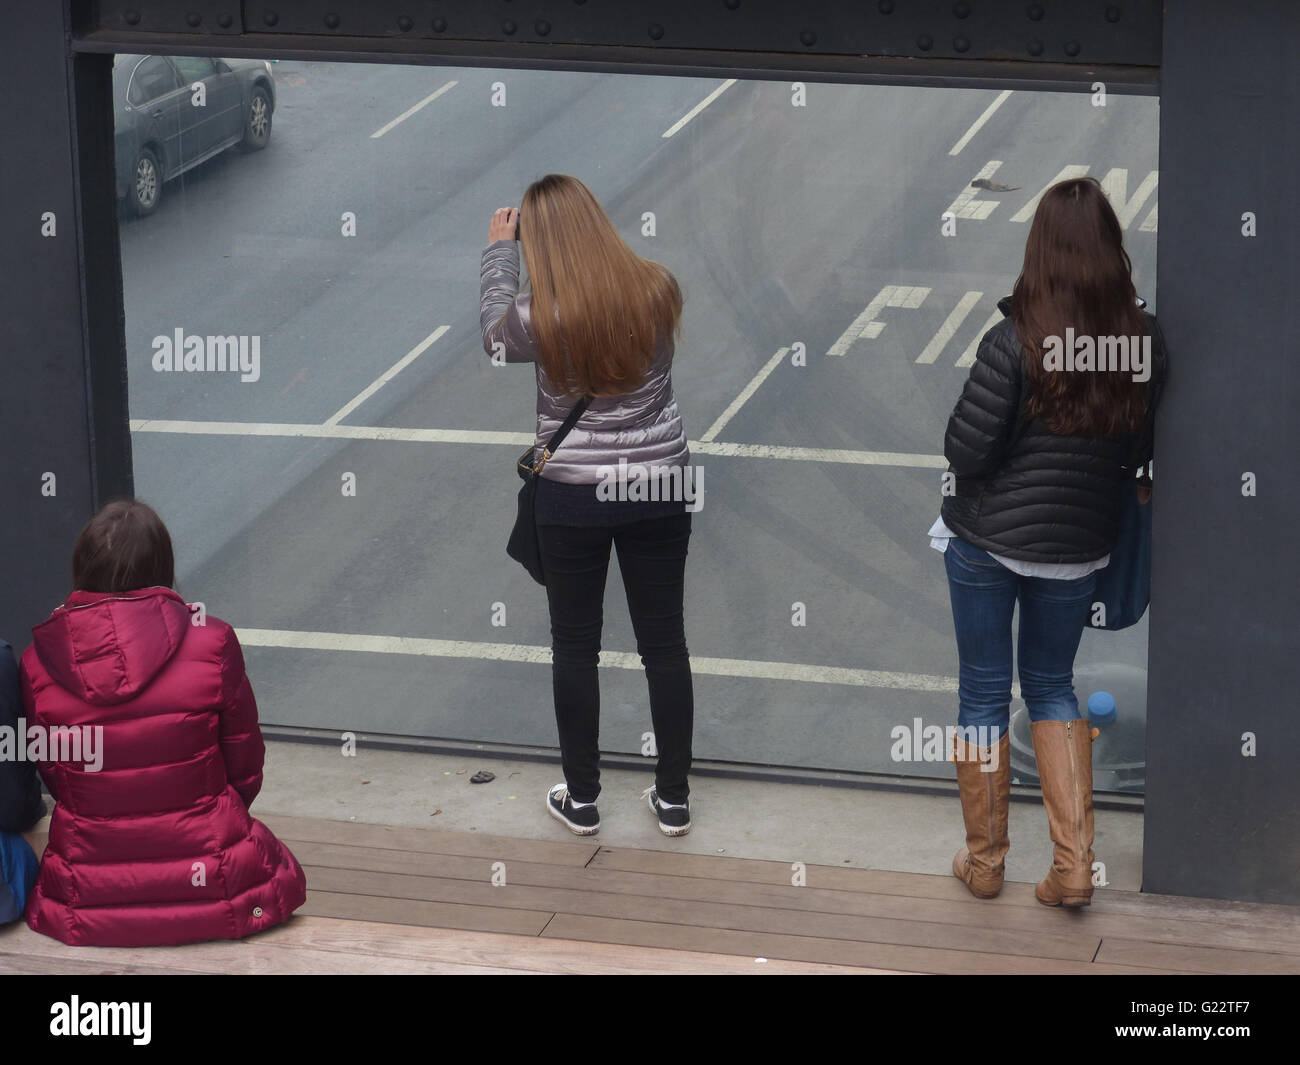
[107, 647]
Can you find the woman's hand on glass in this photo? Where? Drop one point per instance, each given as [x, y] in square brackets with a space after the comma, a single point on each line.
[505, 221]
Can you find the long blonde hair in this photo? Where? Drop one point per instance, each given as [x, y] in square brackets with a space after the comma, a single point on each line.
[613, 306]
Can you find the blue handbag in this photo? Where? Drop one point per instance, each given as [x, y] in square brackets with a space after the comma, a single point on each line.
[1124, 585]
[18, 869]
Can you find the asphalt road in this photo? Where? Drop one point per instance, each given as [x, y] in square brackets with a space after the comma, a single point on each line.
[782, 223]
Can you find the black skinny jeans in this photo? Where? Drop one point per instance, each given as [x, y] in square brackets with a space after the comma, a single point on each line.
[652, 559]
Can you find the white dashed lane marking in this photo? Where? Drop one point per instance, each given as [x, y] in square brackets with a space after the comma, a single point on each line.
[411, 110]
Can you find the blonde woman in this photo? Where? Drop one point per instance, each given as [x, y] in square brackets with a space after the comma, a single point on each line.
[599, 321]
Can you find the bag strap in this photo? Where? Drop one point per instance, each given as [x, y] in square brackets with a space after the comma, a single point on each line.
[1145, 435]
[571, 419]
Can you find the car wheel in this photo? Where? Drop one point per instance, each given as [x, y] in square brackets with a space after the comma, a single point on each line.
[257, 122]
[145, 187]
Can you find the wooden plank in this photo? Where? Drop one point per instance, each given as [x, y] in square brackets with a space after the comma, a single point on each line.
[810, 948]
[472, 844]
[965, 911]
[257, 955]
[386, 887]
[348, 906]
[1243, 918]
[509, 951]
[837, 878]
[1270, 922]
[1197, 959]
[11, 964]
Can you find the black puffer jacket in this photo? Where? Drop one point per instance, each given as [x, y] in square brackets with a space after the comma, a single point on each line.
[21, 805]
[1021, 490]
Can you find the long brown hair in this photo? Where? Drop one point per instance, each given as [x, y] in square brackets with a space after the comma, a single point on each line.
[124, 547]
[613, 306]
[1077, 274]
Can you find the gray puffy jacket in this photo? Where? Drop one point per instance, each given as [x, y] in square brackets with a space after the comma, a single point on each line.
[643, 426]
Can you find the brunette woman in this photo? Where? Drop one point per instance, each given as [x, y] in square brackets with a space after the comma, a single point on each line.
[150, 841]
[598, 321]
[1040, 449]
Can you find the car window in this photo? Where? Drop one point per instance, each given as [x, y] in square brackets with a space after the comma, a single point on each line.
[193, 68]
[152, 78]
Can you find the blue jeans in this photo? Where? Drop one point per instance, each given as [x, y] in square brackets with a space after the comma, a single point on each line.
[1052, 616]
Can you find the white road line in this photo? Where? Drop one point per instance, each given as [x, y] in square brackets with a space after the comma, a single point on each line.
[865, 325]
[966, 206]
[699, 107]
[411, 110]
[477, 436]
[950, 326]
[819, 454]
[336, 432]
[1026, 213]
[750, 389]
[968, 356]
[536, 655]
[385, 377]
[978, 124]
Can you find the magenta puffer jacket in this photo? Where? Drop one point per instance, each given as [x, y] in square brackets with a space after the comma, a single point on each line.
[154, 845]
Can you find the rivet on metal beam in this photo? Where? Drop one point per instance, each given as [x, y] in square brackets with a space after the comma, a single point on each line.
[960, 44]
[1071, 48]
[542, 27]
[807, 38]
[270, 18]
[1034, 12]
[225, 20]
[656, 31]
[731, 5]
[886, 7]
[405, 23]
[440, 25]
[961, 9]
[331, 21]
[1112, 13]
[925, 42]
[1034, 47]
[131, 18]
[193, 19]
[508, 27]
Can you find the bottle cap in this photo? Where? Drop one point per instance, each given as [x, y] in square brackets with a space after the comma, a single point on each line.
[1101, 708]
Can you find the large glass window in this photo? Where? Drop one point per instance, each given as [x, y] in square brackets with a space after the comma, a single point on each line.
[341, 491]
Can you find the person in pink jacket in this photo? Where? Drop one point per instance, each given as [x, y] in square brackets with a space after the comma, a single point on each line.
[153, 756]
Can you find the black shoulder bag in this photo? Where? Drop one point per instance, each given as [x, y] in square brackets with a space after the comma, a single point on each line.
[522, 545]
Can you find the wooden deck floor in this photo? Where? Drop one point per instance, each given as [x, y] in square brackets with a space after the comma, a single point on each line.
[406, 900]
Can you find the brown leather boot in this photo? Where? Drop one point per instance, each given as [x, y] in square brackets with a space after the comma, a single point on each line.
[1064, 753]
[985, 797]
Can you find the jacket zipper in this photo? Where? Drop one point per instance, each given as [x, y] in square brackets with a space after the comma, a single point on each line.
[111, 599]
[1078, 800]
